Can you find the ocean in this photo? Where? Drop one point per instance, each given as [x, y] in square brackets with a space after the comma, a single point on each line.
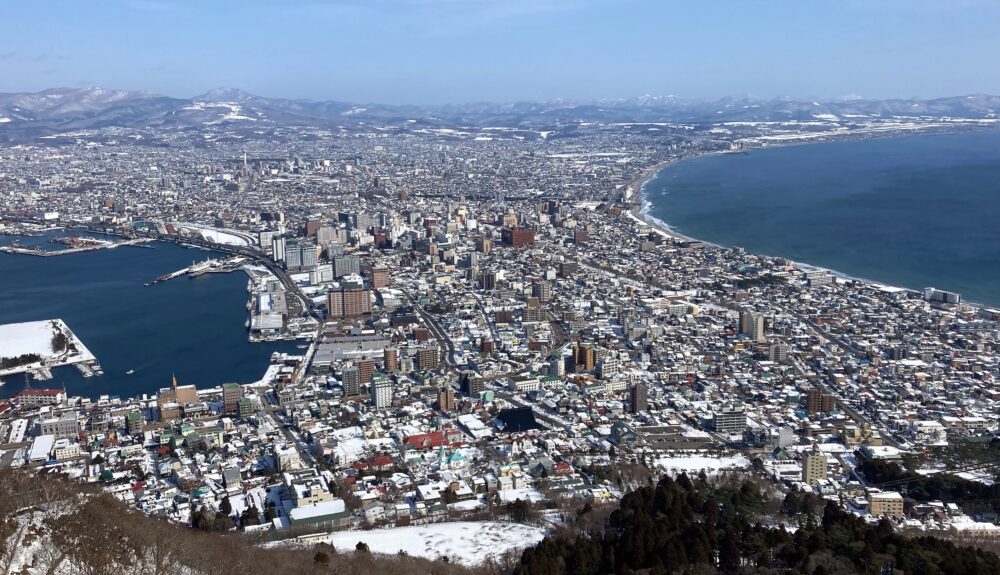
[193, 328]
[913, 211]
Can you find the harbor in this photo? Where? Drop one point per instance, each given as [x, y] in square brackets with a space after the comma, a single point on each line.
[194, 328]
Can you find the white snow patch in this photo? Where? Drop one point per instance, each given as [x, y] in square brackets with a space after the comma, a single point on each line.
[468, 543]
[29, 337]
[692, 464]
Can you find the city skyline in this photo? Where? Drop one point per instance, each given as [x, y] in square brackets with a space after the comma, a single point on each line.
[456, 51]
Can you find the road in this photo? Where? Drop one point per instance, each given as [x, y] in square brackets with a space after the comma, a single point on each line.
[439, 334]
[267, 407]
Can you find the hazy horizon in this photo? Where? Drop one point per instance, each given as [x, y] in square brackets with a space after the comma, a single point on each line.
[464, 51]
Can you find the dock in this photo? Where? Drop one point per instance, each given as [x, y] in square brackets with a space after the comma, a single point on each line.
[208, 266]
[167, 277]
[37, 251]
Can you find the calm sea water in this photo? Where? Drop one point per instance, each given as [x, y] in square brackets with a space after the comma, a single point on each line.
[913, 211]
[191, 327]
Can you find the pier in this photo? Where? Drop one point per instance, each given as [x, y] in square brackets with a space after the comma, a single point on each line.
[209, 266]
[36, 251]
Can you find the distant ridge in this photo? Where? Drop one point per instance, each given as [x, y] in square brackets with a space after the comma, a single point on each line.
[66, 109]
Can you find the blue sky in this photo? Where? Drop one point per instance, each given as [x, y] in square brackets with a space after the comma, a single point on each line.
[441, 51]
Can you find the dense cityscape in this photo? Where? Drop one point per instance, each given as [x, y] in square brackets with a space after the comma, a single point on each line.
[492, 333]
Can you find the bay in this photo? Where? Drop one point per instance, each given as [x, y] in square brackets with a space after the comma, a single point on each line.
[194, 328]
[913, 211]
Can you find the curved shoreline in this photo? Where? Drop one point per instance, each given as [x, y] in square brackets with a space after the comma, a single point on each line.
[640, 206]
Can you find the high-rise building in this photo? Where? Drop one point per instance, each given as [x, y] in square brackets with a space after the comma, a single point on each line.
[135, 422]
[446, 398]
[381, 396]
[936, 295]
[819, 402]
[278, 249]
[584, 357]
[484, 245]
[637, 398]
[380, 278]
[244, 407]
[472, 260]
[731, 420]
[321, 274]
[231, 395]
[313, 226]
[488, 281]
[752, 325]
[471, 384]
[427, 358]
[293, 255]
[310, 256]
[350, 377]
[814, 468]
[326, 235]
[608, 367]
[360, 221]
[487, 346]
[567, 269]
[344, 265]
[557, 366]
[390, 357]
[348, 302]
[517, 237]
[542, 290]
[778, 352]
[532, 313]
[367, 369]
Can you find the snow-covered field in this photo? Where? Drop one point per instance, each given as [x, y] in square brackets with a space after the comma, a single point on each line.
[36, 337]
[468, 543]
[219, 236]
[692, 464]
[29, 337]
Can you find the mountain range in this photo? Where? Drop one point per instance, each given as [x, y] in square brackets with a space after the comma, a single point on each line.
[60, 110]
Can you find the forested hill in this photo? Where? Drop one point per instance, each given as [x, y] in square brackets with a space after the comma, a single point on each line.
[692, 527]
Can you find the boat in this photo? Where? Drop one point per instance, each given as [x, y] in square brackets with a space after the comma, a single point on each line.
[130, 372]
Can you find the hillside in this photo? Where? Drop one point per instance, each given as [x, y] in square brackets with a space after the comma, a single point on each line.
[50, 525]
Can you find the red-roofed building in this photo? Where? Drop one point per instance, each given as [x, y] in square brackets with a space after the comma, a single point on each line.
[427, 440]
[39, 397]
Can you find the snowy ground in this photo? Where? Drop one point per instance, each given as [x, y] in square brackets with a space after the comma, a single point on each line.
[219, 236]
[526, 493]
[984, 477]
[468, 543]
[692, 464]
[36, 337]
[30, 337]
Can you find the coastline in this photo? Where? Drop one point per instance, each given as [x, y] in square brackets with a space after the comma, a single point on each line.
[639, 206]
